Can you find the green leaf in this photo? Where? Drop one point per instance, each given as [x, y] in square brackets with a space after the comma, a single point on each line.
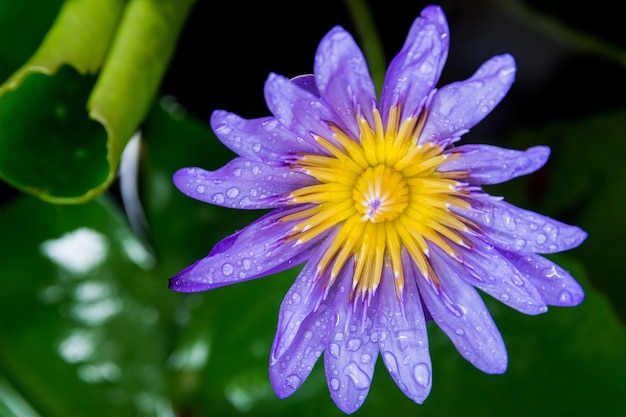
[128, 45]
[79, 307]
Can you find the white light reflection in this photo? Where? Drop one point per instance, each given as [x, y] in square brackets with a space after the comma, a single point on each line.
[78, 251]
[78, 346]
[244, 394]
[192, 356]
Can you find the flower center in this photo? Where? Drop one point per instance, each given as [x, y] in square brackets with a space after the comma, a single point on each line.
[380, 193]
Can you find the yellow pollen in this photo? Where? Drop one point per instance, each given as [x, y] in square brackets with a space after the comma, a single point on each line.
[384, 195]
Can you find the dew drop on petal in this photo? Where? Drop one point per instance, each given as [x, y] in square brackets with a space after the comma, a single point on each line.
[460, 332]
[359, 378]
[200, 189]
[256, 147]
[232, 192]
[354, 344]
[421, 373]
[218, 198]
[334, 384]
[426, 68]
[565, 297]
[334, 350]
[391, 362]
[293, 381]
[246, 264]
[227, 269]
[296, 298]
[237, 172]
[308, 335]
[509, 221]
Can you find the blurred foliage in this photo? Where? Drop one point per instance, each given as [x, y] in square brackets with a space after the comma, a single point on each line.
[89, 327]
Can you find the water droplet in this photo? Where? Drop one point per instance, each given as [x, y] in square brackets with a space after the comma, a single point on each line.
[334, 350]
[200, 189]
[366, 358]
[293, 381]
[334, 384]
[541, 238]
[246, 264]
[256, 147]
[354, 344]
[460, 332]
[506, 75]
[227, 269]
[504, 297]
[517, 280]
[359, 378]
[237, 172]
[232, 192]
[565, 298]
[421, 373]
[308, 335]
[391, 362]
[296, 298]
[218, 198]
[253, 192]
[509, 221]
[426, 68]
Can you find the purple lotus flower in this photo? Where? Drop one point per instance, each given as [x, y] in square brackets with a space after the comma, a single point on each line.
[387, 214]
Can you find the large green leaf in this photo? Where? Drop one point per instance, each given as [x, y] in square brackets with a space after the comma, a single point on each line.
[63, 130]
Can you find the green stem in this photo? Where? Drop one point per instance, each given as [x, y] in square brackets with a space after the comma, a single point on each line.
[370, 40]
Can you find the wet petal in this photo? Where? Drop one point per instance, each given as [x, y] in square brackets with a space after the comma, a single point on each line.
[414, 72]
[557, 286]
[263, 139]
[306, 82]
[517, 230]
[342, 77]
[350, 354]
[486, 268]
[298, 110]
[488, 164]
[459, 311]
[301, 335]
[403, 337]
[305, 295]
[459, 106]
[241, 184]
[257, 250]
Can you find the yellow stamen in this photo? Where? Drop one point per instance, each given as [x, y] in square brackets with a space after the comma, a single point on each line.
[384, 195]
